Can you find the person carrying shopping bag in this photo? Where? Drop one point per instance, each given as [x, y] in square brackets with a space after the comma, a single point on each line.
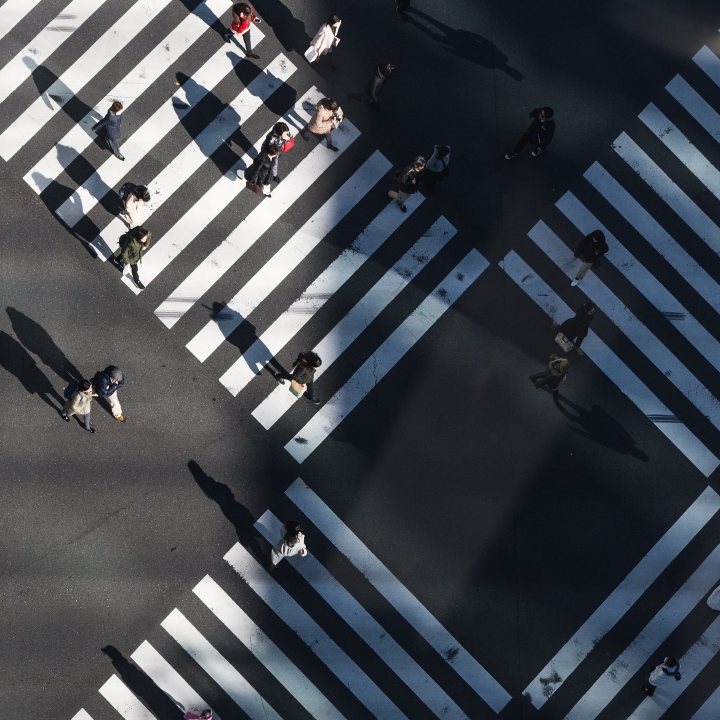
[325, 41]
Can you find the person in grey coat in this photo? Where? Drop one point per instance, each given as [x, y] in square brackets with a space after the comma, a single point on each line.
[79, 404]
[109, 128]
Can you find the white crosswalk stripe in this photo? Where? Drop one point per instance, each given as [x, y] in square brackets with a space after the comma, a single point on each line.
[12, 12]
[126, 704]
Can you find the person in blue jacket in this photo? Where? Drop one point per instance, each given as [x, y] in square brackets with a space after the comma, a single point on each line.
[106, 384]
[109, 128]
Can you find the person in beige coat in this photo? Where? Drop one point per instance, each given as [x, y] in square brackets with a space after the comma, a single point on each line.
[79, 404]
[327, 116]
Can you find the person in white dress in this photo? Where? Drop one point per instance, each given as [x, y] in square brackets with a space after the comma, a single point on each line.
[326, 38]
[292, 542]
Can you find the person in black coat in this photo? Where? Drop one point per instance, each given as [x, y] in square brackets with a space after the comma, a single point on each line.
[303, 372]
[590, 249]
[407, 182]
[109, 128]
[575, 329]
[275, 141]
[540, 133]
[260, 174]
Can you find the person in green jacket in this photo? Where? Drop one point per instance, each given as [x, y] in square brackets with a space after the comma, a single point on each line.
[133, 244]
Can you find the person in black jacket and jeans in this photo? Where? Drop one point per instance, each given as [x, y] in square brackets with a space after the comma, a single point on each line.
[303, 372]
[407, 182]
[540, 133]
[590, 249]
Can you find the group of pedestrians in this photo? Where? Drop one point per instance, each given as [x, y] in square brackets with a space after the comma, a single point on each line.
[78, 395]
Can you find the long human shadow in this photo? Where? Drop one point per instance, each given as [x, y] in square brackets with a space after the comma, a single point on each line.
[162, 706]
[36, 340]
[18, 362]
[595, 424]
[289, 30]
[463, 43]
[233, 510]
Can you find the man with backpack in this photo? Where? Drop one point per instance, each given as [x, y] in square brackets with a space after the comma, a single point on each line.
[133, 244]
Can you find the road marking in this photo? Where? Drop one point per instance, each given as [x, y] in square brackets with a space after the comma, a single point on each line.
[416, 614]
[708, 711]
[618, 313]
[666, 189]
[126, 704]
[622, 598]
[69, 84]
[369, 306]
[159, 670]
[709, 63]
[366, 627]
[293, 615]
[665, 303]
[46, 42]
[81, 715]
[203, 145]
[149, 134]
[11, 13]
[696, 105]
[253, 226]
[136, 82]
[658, 238]
[265, 650]
[615, 369]
[166, 248]
[288, 257]
[218, 668]
[692, 663]
[392, 350]
[647, 643]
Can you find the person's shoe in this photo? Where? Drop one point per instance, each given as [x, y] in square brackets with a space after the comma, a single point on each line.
[120, 418]
[90, 429]
[313, 400]
[139, 284]
[120, 157]
[280, 380]
[333, 147]
[510, 156]
[227, 37]
[537, 151]
[64, 417]
[253, 55]
[304, 135]
[403, 208]
[574, 282]
[277, 179]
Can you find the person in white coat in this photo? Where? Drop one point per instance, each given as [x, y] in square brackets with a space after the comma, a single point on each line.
[326, 39]
[668, 668]
[291, 543]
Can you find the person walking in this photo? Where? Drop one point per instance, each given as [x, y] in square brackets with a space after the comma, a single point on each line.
[407, 182]
[278, 140]
[133, 244]
[590, 249]
[555, 373]
[260, 174]
[292, 542]
[109, 128]
[243, 17]
[575, 329]
[327, 117]
[381, 74]
[132, 198]
[107, 382]
[540, 133]
[668, 668]
[302, 376]
[325, 40]
[78, 403]
[436, 168]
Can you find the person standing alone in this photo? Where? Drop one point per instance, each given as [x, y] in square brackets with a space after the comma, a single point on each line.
[590, 249]
[107, 382]
[243, 17]
[325, 40]
[291, 543]
[555, 373]
[109, 127]
[540, 133]
[407, 182]
[133, 244]
[327, 117]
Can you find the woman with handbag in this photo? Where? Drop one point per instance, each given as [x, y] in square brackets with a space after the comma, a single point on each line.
[326, 118]
[243, 16]
[303, 376]
[133, 197]
[575, 329]
[280, 140]
[407, 182]
[325, 41]
[260, 174]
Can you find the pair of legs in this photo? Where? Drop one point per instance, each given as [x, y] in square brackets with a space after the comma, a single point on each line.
[328, 137]
[525, 138]
[133, 269]
[246, 39]
[582, 272]
[115, 407]
[430, 180]
[86, 418]
[400, 197]
[552, 382]
[114, 148]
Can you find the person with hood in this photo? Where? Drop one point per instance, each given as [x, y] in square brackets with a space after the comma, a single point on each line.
[326, 40]
[243, 16]
[79, 404]
[540, 133]
[303, 375]
[275, 140]
[109, 128]
[133, 244]
[575, 329]
[555, 373]
[107, 383]
[407, 182]
[668, 668]
[133, 197]
[292, 542]
[326, 118]
[260, 174]
[590, 249]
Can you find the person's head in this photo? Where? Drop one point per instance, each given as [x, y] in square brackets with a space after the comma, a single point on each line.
[292, 530]
[280, 128]
[313, 359]
[206, 713]
[329, 103]
[443, 150]
[598, 236]
[670, 662]
[85, 386]
[243, 9]
[588, 308]
[142, 193]
[141, 234]
[116, 107]
[419, 163]
[386, 69]
[114, 373]
[272, 153]
[333, 21]
[546, 113]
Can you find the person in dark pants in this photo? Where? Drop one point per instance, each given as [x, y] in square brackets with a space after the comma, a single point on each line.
[107, 382]
[260, 174]
[555, 373]
[133, 244]
[590, 249]
[540, 133]
[436, 168]
[109, 128]
[243, 15]
[275, 140]
[303, 373]
[381, 74]
[575, 329]
[79, 403]
[407, 182]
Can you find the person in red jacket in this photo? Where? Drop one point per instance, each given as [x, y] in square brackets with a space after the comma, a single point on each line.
[243, 15]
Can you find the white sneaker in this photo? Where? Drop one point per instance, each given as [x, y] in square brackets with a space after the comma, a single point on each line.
[574, 282]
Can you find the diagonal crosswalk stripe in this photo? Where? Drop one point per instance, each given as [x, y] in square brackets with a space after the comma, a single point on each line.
[265, 650]
[708, 711]
[11, 13]
[615, 369]
[254, 226]
[366, 627]
[198, 149]
[643, 647]
[654, 233]
[416, 614]
[162, 57]
[356, 320]
[648, 344]
[622, 598]
[218, 668]
[212, 203]
[126, 704]
[151, 132]
[74, 79]
[81, 715]
[709, 63]
[430, 310]
[285, 260]
[696, 105]
[293, 615]
[46, 42]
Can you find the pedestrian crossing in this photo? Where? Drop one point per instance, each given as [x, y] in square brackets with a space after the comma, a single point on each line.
[655, 198]
[189, 104]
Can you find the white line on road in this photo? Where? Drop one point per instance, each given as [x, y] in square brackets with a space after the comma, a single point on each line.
[126, 704]
[696, 105]
[11, 13]
[709, 63]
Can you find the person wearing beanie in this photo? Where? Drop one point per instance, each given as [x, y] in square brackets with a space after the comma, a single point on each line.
[107, 382]
[668, 668]
[540, 133]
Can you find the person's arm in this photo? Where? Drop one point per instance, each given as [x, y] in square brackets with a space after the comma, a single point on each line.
[546, 134]
[101, 123]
